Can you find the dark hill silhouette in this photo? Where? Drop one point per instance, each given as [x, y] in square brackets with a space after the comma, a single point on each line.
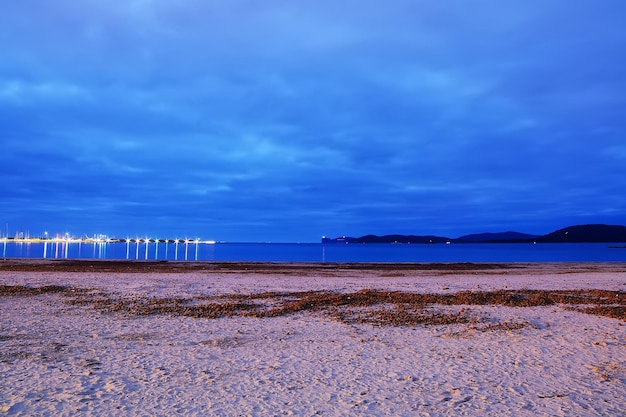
[586, 233]
[495, 237]
[575, 234]
[401, 239]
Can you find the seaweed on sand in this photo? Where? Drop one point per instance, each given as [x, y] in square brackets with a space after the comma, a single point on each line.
[366, 306]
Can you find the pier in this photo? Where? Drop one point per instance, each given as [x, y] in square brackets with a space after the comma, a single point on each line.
[102, 247]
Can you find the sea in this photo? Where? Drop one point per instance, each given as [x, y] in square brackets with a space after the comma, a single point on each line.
[319, 252]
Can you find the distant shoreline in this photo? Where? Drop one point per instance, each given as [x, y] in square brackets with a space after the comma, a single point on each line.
[163, 266]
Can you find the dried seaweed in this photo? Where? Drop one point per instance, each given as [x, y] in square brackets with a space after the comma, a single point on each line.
[396, 308]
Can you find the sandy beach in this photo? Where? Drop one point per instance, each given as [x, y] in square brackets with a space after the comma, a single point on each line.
[258, 339]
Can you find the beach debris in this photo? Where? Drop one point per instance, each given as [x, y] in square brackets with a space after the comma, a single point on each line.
[396, 308]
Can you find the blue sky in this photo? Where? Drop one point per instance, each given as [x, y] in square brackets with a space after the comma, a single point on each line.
[288, 120]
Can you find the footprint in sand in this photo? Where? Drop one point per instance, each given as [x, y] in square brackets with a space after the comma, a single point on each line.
[464, 400]
[455, 394]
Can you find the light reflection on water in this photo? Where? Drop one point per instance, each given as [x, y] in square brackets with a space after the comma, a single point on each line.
[317, 252]
[131, 250]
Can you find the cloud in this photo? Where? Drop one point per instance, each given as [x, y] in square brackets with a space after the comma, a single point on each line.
[282, 120]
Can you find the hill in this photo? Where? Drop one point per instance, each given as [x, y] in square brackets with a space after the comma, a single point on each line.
[401, 239]
[495, 237]
[588, 233]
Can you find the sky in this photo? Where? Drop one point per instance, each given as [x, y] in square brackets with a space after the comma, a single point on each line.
[284, 121]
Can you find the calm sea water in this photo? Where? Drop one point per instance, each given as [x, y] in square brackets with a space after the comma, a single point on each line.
[317, 252]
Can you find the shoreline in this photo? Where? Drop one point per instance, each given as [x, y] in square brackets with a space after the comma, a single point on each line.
[168, 266]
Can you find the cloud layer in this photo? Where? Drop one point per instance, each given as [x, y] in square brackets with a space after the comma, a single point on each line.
[280, 121]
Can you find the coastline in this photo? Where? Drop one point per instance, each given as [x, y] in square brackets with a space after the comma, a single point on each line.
[65, 353]
[159, 266]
